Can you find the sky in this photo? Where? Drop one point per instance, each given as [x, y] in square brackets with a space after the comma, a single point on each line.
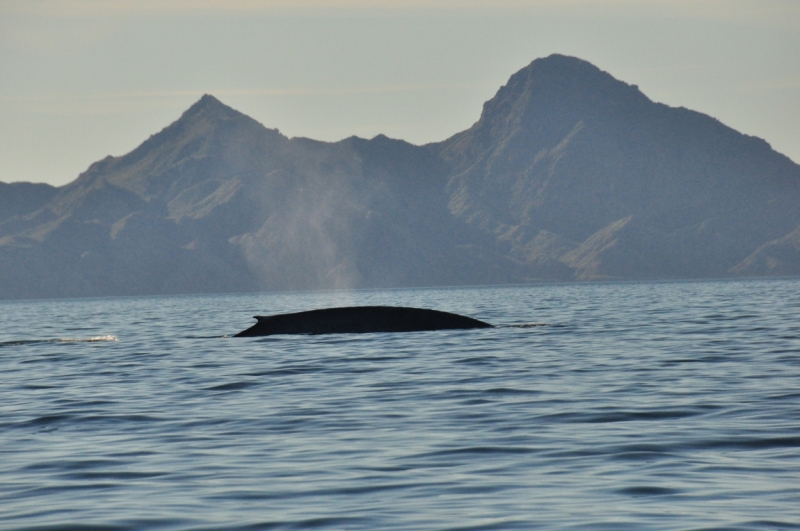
[83, 79]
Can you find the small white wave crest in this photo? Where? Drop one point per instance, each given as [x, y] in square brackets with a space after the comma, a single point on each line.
[93, 339]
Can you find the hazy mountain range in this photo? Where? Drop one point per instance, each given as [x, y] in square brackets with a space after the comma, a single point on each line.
[569, 174]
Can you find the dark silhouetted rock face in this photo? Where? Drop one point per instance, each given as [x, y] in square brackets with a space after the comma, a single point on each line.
[569, 174]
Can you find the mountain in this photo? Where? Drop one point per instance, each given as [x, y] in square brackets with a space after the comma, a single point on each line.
[579, 171]
[216, 202]
[569, 174]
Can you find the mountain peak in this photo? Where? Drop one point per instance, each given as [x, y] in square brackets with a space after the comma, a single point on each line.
[561, 68]
[208, 101]
[562, 61]
[549, 98]
[209, 105]
[566, 81]
[209, 130]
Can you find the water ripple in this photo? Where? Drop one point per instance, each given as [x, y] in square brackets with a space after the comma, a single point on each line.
[658, 406]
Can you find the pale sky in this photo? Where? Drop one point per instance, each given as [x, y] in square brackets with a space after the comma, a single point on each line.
[82, 79]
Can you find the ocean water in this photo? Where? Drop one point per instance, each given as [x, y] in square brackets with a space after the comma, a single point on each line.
[636, 406]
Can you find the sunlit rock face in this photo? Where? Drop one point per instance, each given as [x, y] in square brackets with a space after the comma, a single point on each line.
[569, 174]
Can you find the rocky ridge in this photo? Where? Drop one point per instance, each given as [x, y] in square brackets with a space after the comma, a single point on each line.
[569, 174]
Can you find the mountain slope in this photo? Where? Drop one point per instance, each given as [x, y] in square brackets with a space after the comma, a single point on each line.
[18, 199]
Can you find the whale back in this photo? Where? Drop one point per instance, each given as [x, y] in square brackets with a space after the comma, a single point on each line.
[359, 320]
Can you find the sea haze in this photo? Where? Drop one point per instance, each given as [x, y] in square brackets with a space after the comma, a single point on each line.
[634, 406]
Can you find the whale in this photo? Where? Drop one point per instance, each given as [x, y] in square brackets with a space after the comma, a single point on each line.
[360, 320]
